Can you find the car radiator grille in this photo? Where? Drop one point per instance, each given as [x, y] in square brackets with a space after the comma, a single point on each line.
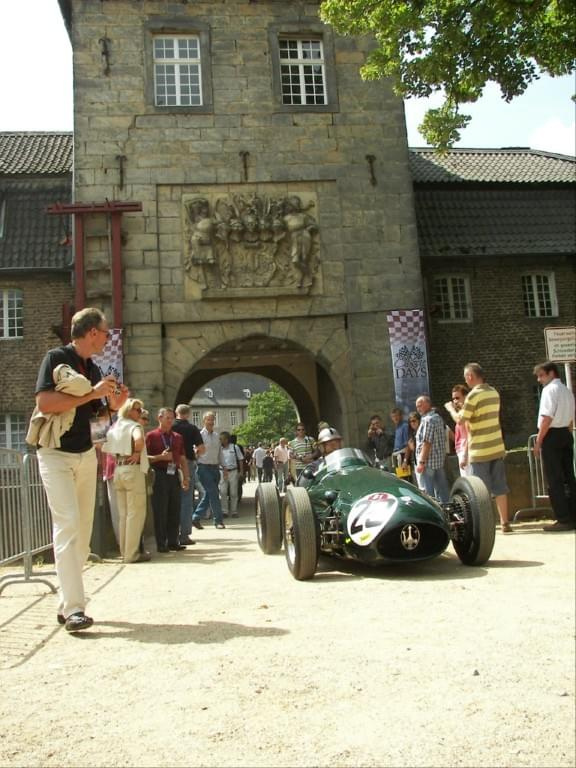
[423, 540]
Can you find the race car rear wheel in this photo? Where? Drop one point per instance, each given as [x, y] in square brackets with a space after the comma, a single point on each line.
[472, 499]
[300, 534]
[268, 520]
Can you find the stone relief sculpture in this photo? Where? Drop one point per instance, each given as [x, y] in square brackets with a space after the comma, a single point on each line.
[201, 249]
[251, 242]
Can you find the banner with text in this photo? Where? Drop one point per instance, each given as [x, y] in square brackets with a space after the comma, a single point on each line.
[110, 361]
[409, 356]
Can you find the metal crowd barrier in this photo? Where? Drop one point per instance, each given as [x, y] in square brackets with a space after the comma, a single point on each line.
[25, 520]
[538, 486]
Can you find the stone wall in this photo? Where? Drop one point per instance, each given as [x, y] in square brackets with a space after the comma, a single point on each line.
[245, 144]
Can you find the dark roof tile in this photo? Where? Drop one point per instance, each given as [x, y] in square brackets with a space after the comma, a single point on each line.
[33, 238]
[495, 222]
[229, 389]
[509, 166]
[35, 153]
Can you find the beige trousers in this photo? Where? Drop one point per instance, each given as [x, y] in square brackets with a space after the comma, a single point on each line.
[130, 486]
[70, 483]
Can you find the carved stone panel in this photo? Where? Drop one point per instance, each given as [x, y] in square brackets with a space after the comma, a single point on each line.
[250, 244]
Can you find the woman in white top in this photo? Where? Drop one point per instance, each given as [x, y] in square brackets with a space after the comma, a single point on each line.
[125, 439]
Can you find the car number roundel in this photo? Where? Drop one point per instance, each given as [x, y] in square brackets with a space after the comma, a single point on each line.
[369, 515]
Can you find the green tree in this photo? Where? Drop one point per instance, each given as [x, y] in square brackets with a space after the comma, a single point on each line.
[457, 46]
[271, 415]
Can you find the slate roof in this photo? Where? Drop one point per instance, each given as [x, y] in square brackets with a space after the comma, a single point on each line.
[35, 153]
[227, 390]
[469, 202]
[494, 166]
[35, 172]
[32, 238]
[495, 222]
[494, 202]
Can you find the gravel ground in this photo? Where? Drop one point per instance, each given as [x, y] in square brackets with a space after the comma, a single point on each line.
[216, 657]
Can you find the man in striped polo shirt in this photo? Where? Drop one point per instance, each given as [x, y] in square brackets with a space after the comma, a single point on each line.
[301, 449]
[481, 416]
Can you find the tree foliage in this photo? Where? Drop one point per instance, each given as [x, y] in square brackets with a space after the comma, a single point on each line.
[457, 46]
[271, 415]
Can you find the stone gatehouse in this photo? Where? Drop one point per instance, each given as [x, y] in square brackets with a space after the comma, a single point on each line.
[277, 223]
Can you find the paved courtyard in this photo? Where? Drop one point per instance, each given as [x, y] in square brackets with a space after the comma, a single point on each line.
[216, 657]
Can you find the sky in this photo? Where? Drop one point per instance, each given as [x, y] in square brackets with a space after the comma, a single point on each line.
[37, 95]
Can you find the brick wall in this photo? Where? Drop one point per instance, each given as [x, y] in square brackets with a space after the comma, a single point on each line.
[505, 342]
[20, 358]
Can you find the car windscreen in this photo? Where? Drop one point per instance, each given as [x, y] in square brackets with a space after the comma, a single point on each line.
[346, 457]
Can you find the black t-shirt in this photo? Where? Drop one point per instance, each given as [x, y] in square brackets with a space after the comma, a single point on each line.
[268, 462]
[191, 435]
[77, 439]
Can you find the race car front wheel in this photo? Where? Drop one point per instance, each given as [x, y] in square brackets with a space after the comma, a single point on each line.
[300, 534]
[268, 522]
[476, 539]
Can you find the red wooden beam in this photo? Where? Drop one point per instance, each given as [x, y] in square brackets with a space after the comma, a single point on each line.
[79, 279]
[109, 206]
[115, 209]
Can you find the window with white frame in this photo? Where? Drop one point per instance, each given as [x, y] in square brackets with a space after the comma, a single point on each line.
[196, 418]
[452, 298]
[13, 429]
[539, 295]
[11, 314]
[302, 71]
[177, 71]
[233, 418]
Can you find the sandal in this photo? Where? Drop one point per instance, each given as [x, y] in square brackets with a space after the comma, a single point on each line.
[506, 528]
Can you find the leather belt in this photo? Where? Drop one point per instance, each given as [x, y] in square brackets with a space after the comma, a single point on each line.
[212, 466]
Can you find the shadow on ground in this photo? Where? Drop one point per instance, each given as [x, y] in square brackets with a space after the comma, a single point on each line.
[204, 632]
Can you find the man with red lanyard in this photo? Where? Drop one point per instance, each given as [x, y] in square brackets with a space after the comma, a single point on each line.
[166, 456]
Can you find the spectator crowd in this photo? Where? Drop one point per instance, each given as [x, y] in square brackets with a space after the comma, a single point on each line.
[165, 480]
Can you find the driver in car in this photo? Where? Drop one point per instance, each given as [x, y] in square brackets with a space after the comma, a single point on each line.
[329, 440]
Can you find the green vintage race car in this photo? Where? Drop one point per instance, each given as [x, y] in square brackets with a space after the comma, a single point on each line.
[350, 508]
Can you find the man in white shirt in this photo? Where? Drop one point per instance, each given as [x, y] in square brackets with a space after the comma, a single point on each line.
[231, 465]
[281, 465]
[209, 474]
[554, 441]
[258, 458]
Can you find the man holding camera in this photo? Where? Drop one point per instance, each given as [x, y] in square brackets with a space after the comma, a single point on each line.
[68, 469]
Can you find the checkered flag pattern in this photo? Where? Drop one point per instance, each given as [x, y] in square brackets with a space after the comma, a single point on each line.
[406, 326]
[110, 361]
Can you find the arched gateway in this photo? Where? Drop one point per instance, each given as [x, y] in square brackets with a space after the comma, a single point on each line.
[273, 225]
[304, 374]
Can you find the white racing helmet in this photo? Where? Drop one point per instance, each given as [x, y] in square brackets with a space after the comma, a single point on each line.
[327, 434]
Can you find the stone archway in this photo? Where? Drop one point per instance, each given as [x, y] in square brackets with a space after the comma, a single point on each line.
[286, 363]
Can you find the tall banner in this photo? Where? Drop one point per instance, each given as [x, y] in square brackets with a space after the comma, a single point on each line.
[409, 356]
[110, 361]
